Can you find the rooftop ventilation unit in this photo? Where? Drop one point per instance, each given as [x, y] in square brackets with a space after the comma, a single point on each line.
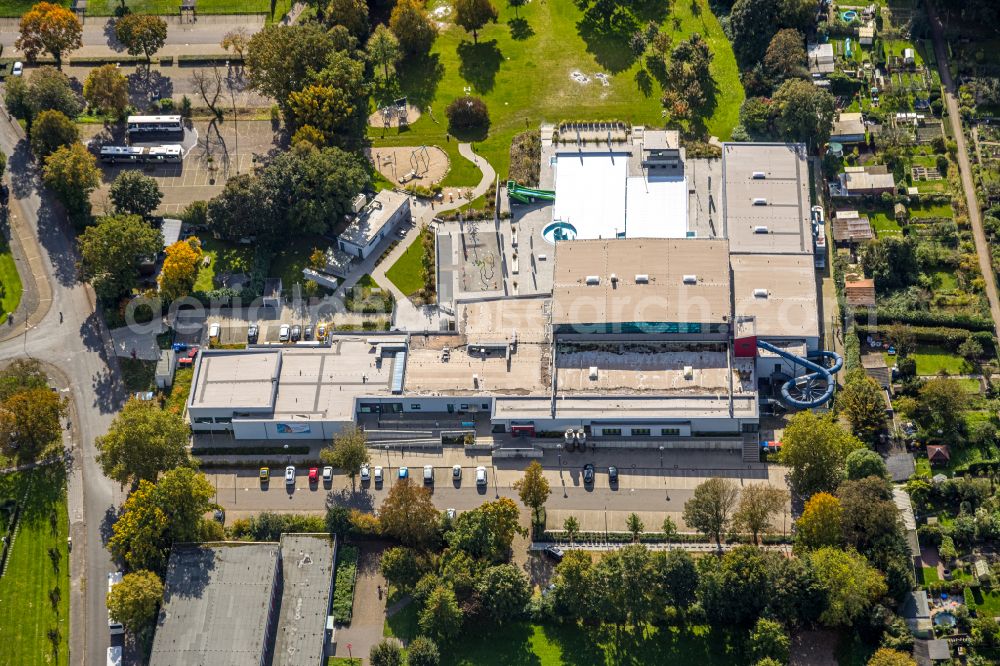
[760, 229]
[690, 279]
[760, 293]
[593, 373]
[760, 201]
[593, 279]
[759, 175]
[614, 278]
[475, 381]
[688, 372]
[641, 278]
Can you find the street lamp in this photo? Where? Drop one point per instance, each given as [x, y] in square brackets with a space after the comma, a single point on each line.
[288, 458]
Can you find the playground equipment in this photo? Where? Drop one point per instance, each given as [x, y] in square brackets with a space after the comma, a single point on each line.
[813, 389]
[395, 111]
[527, 194]
[420, 161]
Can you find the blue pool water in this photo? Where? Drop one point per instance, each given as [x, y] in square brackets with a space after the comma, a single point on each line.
[945, 619]
[849, 15]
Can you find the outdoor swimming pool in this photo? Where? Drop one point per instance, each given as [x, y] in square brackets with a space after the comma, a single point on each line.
[945, 619]
[849, 15]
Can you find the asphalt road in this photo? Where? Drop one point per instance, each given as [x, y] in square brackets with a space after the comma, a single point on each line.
[77, 346]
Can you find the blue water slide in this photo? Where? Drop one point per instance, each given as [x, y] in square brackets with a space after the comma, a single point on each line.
[812, 395]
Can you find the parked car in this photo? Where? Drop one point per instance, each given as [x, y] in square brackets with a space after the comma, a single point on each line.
[366, 473]
[307, 334]
[296, 333]
[612, 475]
[554, 552]
[114, 628]
[327, 474]
[252, 333]
[404, 472]
[456, 473]
[480, 476]
[378, 474]
[313, 474]
[321, 332]
[265, 475]
[283, 333]
[428, 474]
[214, 330]
[451, 513]
[290, 475]
[588, 474]
[18, 69]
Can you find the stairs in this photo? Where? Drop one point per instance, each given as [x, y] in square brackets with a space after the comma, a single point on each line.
[751, 447]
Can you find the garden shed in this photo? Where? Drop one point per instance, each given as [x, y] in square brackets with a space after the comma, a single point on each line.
[981, 570]
[938, 454]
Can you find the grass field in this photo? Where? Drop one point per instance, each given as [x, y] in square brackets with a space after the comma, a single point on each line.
[10, 296]
[932, 360]
[521, 67]
[226, 257]
[407, 272]
[292, 257]
[930, 210]
[107, 7]
[34, 593]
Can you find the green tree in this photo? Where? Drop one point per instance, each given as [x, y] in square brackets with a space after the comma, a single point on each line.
[940, 405]
[348, 452]
[488, 531]
[533, 489]
[50, 28]
[863, 405]
[851, 584]
[669, 528]
[106, 90]
[752, 24]
[412, 27]
[505, 592]
[408, 514]
[20, 375]
[635, 526]
[736, 588]
[689, 77]
[472, 15]
[441, 618]
[786, 54]
[383, 48]
[970, 349]
[572, 595]
[623, 585]
[283, 58]
[821, 523]
[50, 132]
[51, 90]
[758, 505]
[892, 262]
[143, 442]
[134, 600]
[71, 173]
[338, 520]
[870, 516]
[134, 193]
[352, 14]
[141, 34]
[815, 448]
[804, 112]
[710, 507]
[112, 250]
[323, 107]
[675, 578]
[387, 652]
[242, 210]
[30, 422]
[422, 651]
[401, 567]
[888, 657]
[572, 528]
[947, 549]
[769, 639]
[863, 463]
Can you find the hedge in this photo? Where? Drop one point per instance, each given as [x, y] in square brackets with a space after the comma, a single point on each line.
[343, 588]
[106, 60]
[248, 451]
[968, 321]
[219, 59]
[852, 348]
[937, 335]
[654, 537]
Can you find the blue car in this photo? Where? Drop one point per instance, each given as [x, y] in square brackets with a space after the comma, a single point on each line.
[404, 472]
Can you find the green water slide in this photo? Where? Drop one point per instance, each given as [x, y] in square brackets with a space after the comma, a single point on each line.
[527, 194]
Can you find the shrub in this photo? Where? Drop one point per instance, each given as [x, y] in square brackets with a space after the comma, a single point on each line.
[343, 588]
[466, 113]
[526, 157]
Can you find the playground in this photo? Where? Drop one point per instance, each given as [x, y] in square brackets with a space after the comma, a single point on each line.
[399, 114]
[404, 165]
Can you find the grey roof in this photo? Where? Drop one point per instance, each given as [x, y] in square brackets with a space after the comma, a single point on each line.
[216, 605]
[916, 606]
[927, 652]
[171, 230]
[370, 221]
[307, 571]
[901, 466]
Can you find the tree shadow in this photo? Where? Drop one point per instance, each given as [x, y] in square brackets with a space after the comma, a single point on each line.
[645, 82]
[656, 11]
[419, 77]
[361, 499]
[479, 64]
[657, 67]
[520, 29]
[145, 86]
[112, 37]
[106, 528]
[607, 38]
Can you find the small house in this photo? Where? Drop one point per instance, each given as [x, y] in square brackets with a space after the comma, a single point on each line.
[271, 294]
[981, 570]
[860, 292]
[900, 213]
[165, 367]
[866, 34]
[374, 222]
[862, 180]
[876, 368]
[909, 57]
[820, 58]
[848, 128]
[938, 454]
[917, 613]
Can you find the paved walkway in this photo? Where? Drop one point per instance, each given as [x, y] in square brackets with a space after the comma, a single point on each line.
[36, 298]
[368, 614]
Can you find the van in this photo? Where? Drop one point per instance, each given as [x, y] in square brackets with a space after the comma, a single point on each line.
[115, 628]
[114, 656]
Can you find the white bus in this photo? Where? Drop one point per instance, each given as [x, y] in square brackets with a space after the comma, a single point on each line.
[137, 154]
[115, 628]
[154, 124]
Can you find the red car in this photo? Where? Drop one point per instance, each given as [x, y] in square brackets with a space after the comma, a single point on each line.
[313, 474]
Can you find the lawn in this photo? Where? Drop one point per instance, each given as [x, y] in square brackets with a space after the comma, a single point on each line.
[408, 272]
[368, 296]
[10, 283]
[225, 258]
[521, 67]
[945, 281]
[34, 592]
[293, 256]
[918, 211]
[986, 602]
[169, 7]
[932, 360]
[928, 575]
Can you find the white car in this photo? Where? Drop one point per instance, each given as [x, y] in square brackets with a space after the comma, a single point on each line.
[213, 331]
[327, 474]
[480, 476]
[378, 474]
[114, 628]
[18, 69]
[290, 475]
[366, 473]
[429, 474]
[283, 333]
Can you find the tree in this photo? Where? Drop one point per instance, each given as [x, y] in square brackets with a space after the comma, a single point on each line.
[572, 595]
[236, 40]
[467, 113]
[533, 489]
[472, 15]
[143, 442]
[112, 250]
[141, 34]
[947, 549]
[635, 526]
[30, 422]
[572, 528]
[862, 463]
[816, 449]
[623, 585]
[804, 111]
[505, 591]
[851, 584]
[688, 76]
[870, 516]
[324, 107]
[710, 506]
[769, 639]
[180, 268]
[412, 27]
[887, 657]
[863, 405]
[759, 503]
[387, 652]
[940, 405]
[786, 54]
[49, 27]
[71, 173]
[106, 90]
[21, 375]
[135, 599]
[675, 577]
[736, 588]
[441, 618]
[821, 522]
[158, 515]
[242, 210]
[422, 651]
[282, 58]
[488, 531]
[752, 23]
[669, 528]
[383, 48]
[134, 193]
[892, 262]
[352, 14]
[408, 514]
[51, 131]
[401, 567]
[51, 90]
[348, 452]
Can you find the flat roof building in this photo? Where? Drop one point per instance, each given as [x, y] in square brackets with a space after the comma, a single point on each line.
[374, 222]
[779, 292]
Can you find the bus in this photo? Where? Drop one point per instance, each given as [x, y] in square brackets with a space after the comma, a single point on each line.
[155, 124]
[140, 154]
[115, 628]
